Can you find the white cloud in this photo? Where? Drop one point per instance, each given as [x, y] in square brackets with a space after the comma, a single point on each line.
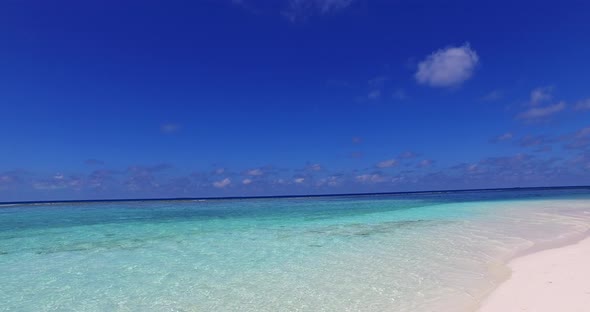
[399, 94]
[493, 96]
[583, 104]
[328, 5]
[376, 86]
[314, 167]
[169, 128]
[299, 180]
[378, 81]
[330, 181]
[542, 112]
[6, 179]
[219, 170]
[387, 163]
[583, 133]
[373, 95]
[447, 67]
[541, 95]
[408, 154]
[246, 181]
[294, 10]
[301, 9]
[254, 172]
[503, 137]
[425, 163]
[43, 185]
[56, 182]
[374, 178]
[222, 183]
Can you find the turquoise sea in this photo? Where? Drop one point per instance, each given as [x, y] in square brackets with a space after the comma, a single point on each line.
[439, 251]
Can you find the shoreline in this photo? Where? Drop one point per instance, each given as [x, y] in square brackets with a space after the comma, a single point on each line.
[548, 277]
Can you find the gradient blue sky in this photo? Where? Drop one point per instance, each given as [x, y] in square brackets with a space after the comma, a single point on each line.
[105, 99]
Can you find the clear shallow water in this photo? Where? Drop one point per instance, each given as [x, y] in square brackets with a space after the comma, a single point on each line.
[427, 252]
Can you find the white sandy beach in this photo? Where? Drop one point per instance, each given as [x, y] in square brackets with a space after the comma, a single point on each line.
[550, 280]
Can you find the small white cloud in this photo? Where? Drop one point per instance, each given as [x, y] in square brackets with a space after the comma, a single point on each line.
[299, 180]
[503, 137]
[58, 181]
[541, 95]
[542, 112]
[447, 67]
[425, 163]
[301, 9]
[222, 183]
[408, 154]
[373, 95]
[43, 185]
[94, 162]
[370, 178]
[255, 172]
[169, 128]
[493, 96]
[280, 181]
[314, 167]
[246, 181]
[583, 105]
[583, 133]
[378, 81]
[338, 83]
[399, 94]
[330, 181]
[387, 163]
[327, 6]
[6, 178]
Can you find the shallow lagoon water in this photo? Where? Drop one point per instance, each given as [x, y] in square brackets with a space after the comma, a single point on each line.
[421, 252]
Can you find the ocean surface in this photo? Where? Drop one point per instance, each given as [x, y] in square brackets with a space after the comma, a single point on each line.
[440, 251]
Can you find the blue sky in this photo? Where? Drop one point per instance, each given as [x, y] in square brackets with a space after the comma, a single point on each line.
[101, 99]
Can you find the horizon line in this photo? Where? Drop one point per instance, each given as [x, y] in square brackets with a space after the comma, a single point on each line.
[290, 196]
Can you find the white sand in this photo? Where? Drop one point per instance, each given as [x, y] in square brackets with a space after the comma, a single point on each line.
[551, 280]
